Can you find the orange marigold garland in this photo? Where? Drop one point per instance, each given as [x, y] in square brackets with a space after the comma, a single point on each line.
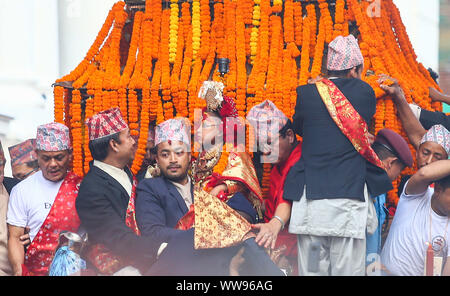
[165, 67]
[288, 21]
[143, 134]
[93, 50]
[247, 33]
[89, 112]
[298, 20]
[196, 28]
[312, 17]
[173, 36]
[205, 25]
[254, 35]
[339, 18]
[304, 60]
[241, 76]
[58, 93]
[133, 112]
[316, 68]
[77, 137]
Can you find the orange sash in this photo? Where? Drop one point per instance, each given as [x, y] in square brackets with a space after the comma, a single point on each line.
[348, 120]
[104, 259]
[62, 216]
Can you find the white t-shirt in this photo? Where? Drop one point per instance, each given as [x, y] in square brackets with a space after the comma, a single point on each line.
[405, 248]
[30, 202]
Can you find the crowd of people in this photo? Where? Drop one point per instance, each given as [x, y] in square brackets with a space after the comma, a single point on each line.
[202, 212]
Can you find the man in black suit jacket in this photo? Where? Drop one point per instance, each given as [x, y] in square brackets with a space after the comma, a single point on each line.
[105, 202]
[331, 182]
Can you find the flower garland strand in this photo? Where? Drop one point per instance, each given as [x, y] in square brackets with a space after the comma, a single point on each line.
[77, 137]
[196, 28]
[173, 35]
[58, 93]
[304, 59]
[165, 66]
[256, 17]
[89, 112]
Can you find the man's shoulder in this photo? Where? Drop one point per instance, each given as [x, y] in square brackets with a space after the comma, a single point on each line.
[306, 88]
[28, 183]
[356, 84]
[156, 183]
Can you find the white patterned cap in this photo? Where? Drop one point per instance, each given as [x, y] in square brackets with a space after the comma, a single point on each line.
[438, 134]
[172, 130]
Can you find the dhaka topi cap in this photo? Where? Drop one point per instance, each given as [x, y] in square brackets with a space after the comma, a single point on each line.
[395, 144]
[344, 53]
[105, 123]
[172, 130]
[23, 152]
[265, 116]
[438, 134]
[53, 137]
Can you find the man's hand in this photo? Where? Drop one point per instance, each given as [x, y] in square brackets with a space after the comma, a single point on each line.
[268, 233]
[25, 238]
[390, 85]
[314, 80]
[216, 190]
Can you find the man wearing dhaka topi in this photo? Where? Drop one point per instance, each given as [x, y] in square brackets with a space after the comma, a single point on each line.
[338, 170]
[45, 202]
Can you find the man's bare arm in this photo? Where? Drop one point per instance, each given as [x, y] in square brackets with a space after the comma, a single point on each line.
[413, 128]
[428, 174]
[437, 96]
[16, 252]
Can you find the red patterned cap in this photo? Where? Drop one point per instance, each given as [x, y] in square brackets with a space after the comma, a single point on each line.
[23, 152]
[105, 123]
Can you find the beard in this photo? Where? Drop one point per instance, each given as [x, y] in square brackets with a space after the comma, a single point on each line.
[174, 177]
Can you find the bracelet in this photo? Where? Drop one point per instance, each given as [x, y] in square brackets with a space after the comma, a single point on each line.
[281, 221]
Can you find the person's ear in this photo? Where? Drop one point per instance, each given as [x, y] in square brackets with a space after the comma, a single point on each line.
[70, 155]
[353, 73]
[291, 136]
[113, 145]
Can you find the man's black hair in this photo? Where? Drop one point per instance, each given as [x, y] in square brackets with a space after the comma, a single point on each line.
[444, 182]
[343, 73]
[99, 147]
[382, 152]
[286, 127]
[433, 75]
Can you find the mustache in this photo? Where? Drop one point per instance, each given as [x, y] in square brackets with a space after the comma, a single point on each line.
[174, 166]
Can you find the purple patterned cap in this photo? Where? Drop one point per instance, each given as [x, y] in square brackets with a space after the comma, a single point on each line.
[172, 130]
[344, 53]
[53, 137]
[438, 134]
